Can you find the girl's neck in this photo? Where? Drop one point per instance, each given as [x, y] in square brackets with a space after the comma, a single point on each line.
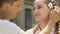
[42, 25]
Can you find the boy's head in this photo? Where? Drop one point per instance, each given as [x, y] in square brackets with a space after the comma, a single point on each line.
[9, 8]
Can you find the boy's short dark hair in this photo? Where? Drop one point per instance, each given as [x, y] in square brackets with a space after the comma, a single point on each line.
[6, 1]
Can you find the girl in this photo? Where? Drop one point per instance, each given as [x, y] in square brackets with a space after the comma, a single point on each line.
[45, 16]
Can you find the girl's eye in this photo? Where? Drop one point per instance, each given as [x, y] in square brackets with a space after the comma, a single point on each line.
[33, 9]
[39, 7]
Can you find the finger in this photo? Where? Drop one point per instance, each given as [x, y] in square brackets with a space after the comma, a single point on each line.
[57, 9]
[52, 10]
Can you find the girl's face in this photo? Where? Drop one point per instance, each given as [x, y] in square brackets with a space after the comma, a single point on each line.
[41, 11]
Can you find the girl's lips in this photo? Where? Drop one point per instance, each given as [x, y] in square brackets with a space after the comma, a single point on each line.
[37, 14]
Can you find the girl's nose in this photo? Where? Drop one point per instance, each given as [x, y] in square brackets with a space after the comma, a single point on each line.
[36, 13]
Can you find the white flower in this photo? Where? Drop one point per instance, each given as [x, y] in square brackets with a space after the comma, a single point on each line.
[50, 5]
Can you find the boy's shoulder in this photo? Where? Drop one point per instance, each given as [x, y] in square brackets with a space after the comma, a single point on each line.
[9, 27]
[29, 31]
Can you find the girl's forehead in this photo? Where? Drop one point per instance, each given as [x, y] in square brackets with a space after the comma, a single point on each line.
[38, 1]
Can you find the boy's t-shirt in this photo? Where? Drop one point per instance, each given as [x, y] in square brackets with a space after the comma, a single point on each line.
[7, 27]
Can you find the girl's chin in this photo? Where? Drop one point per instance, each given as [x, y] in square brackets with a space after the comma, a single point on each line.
[37, 20]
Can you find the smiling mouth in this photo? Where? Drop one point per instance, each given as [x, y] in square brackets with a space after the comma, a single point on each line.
[37, 14]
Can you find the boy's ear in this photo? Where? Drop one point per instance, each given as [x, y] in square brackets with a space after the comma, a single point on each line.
[6, 5]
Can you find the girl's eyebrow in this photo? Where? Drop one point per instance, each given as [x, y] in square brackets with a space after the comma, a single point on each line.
[39, 5]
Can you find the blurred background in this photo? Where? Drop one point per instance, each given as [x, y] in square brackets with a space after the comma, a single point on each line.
[25, 19]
